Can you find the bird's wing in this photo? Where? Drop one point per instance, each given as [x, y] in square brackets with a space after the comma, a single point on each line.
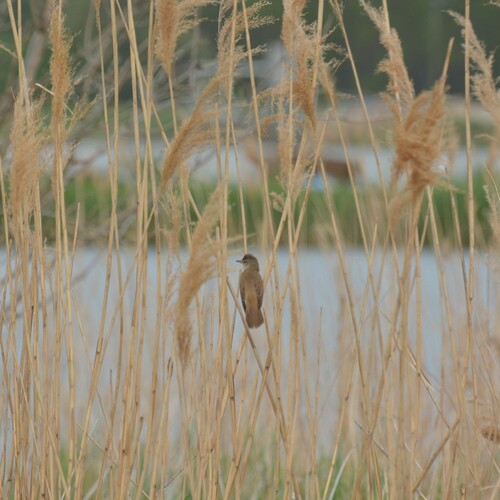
[242, 295]
[259, 288]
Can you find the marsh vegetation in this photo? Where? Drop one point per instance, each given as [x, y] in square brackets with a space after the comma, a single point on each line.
[149, 383]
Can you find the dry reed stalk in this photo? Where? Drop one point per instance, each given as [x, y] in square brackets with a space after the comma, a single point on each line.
[229, 53]
[418, 141]
[130, 438]
[27, 139]
[395, 53]
[305, 49]
[206, 411]
[61, 86]
[113, 243]
[469, 364]
[405, 83]
[421, 127]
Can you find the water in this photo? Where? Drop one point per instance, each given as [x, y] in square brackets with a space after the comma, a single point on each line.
[325, 326]
[323, 296]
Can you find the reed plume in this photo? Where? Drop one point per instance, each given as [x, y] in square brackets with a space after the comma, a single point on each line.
[174, 18]
[418, 120]
[200, 267]
[196, 132]
[61, 70]
[27, 139]
[167, 12]
[198, 129]
[484, 84]
[418, 139]
[400, 84]
[299, 43]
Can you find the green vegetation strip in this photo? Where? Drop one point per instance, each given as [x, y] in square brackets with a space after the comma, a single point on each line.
[88, 200]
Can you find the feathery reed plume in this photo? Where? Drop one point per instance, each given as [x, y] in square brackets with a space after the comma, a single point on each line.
[61, 72]
[483, 81]
[394, 66]
[174, 18]
[27, 142]
[195, 133]
[419, 120]
[167, 12]
[200, 267]
[198, 130]
[60, 68]
[300, 44]
[232, 32]
[306, 49]
[418, 139]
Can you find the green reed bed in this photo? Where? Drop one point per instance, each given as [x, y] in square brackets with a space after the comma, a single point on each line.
[89, 202]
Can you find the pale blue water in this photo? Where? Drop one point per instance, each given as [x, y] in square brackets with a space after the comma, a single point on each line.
[323, 295]
[324, 318]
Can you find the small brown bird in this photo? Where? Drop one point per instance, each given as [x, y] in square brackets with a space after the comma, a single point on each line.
[251, 290]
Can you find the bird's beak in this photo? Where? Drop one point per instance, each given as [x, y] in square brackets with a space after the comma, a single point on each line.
[240, 261]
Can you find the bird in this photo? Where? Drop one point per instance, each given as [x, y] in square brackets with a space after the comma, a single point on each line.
[251, 290]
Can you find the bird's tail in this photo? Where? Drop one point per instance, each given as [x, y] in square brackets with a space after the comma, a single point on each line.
[254, 317]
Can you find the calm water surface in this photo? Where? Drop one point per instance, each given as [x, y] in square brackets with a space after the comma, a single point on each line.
[322, 292]
[326, 323]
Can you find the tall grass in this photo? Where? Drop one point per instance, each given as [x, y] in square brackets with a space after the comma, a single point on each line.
[161, 390]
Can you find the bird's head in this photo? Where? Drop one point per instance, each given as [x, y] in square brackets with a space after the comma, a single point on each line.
[248, 260]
